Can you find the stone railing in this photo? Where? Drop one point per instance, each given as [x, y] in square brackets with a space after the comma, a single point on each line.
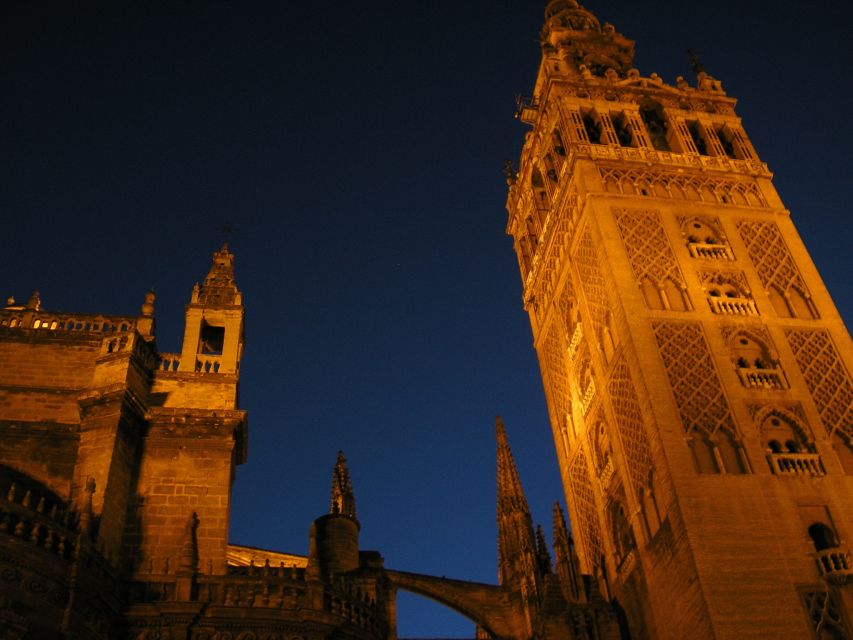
[117, 344]
[265, 570]
[796, 464]
[29, 319]
[588, 395]
[40, 520]
[710, 251]
[733, 306]
[606, 475]
[284, 588]
[170, 361]
[762, 378]
[723, 163]
[276, 592]
[834, 564]
[355, 607]
[207, 363]
[575, 341]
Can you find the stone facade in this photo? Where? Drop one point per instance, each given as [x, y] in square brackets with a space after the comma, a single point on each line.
[116, 466]
[696, 370]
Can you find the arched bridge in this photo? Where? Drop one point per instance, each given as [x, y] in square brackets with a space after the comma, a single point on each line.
[487, 605]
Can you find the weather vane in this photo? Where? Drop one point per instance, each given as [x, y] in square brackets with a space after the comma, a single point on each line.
[697, 65]
[227, 230]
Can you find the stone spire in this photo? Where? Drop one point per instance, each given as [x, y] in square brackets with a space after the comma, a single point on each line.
[543, 556]
[343, 499]
[516, 539]
[566, 562]
[219, 287]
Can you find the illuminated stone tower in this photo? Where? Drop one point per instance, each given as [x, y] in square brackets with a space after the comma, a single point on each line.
[695, 367]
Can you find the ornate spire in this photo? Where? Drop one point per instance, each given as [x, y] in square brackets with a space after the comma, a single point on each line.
[343, 499]
[510, 494]
[543, 557]
[219, 287]
[566, 562]
[517, 557]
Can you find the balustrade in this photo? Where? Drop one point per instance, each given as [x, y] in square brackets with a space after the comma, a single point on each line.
[754, 378]
[39, 520]
[575, 340]
[207, 363]
[278, 588]
[170, 361]
[834, 564]
[723, 163]
[588, 395]
[606, 475]
[796, 464]
[733, 306]
[61, 322]
[710, 251]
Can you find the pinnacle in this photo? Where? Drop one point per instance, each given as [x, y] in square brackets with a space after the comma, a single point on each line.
[343, 499]
[509, 483]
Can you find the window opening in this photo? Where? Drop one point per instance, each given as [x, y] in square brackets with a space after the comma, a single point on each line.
[212, 339]
[699, 142]
[656, 125]
[822, 537]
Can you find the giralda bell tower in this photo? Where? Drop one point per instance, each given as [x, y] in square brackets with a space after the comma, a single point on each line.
[696, 370]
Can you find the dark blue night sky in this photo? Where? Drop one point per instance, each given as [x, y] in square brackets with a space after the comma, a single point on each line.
[358, 148]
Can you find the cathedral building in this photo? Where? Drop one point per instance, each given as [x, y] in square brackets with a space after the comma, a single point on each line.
[696, 370]
[116, 467]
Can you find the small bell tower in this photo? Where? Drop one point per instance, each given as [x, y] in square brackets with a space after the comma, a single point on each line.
[213, 334]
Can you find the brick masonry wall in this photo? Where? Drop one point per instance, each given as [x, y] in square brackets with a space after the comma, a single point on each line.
[46, 452]
[185, 469]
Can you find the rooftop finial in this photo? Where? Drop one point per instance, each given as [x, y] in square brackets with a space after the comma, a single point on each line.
[343, 499]
[148, 305]
[695, 62]
[227, 230]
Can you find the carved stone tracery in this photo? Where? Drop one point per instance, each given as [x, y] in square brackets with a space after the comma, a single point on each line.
[826, 377]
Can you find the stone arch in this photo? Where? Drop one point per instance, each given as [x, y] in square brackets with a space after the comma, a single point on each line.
[488, 606]
[703, 230]
[782, 431]
[750, 349]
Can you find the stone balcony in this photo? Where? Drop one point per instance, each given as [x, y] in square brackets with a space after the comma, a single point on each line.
[796, 464]
[754, 378]
[710, 251]
[835, 565]
[204, 363]
[733, 306]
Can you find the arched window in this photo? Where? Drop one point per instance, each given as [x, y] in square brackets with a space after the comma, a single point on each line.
[757, 367]
[788, 444]
[727, 295]
[823, 537]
